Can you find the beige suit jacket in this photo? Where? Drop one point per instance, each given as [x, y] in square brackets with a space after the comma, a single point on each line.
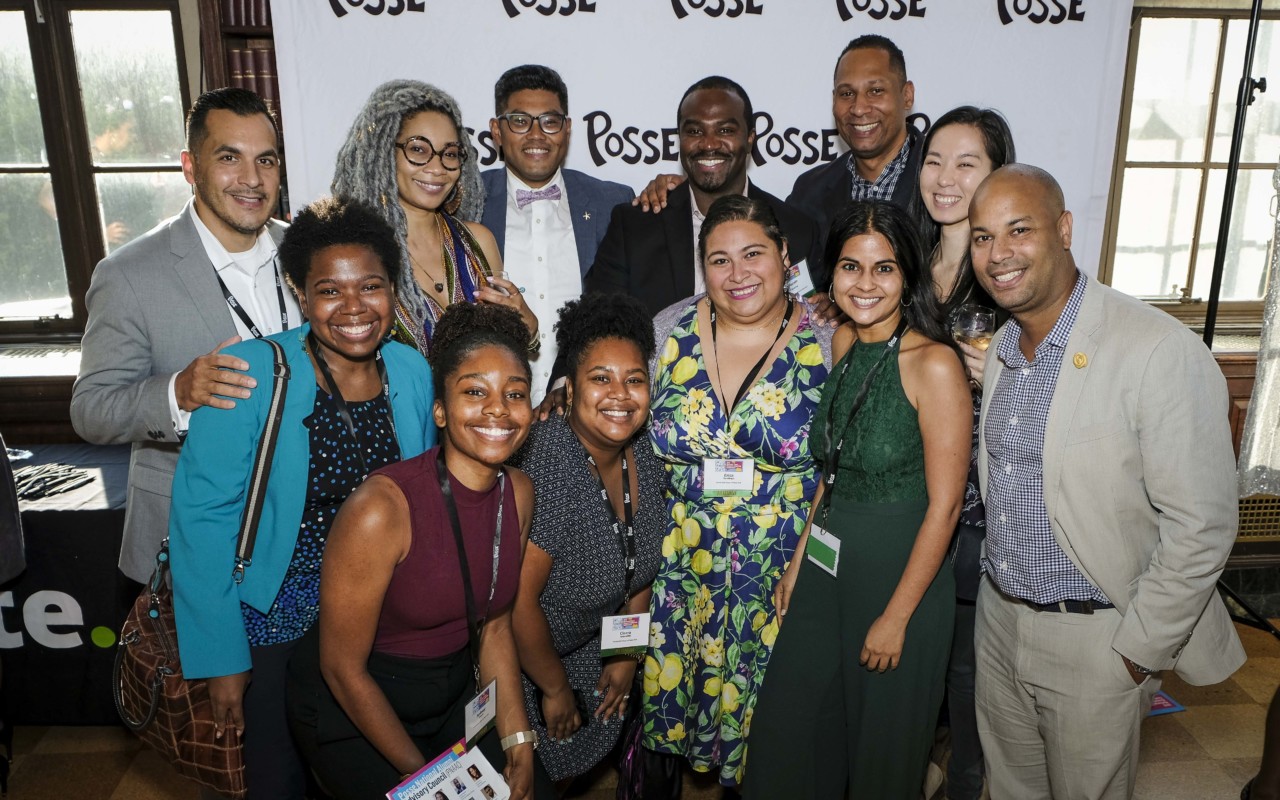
[1139, 480]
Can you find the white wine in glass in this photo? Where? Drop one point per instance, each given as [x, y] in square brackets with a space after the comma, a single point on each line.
[973, 325]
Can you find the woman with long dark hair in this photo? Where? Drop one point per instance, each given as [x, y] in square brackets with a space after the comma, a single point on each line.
[858, 670]
[963, 147]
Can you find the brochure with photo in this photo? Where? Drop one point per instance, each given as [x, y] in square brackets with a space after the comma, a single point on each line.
[456, 774]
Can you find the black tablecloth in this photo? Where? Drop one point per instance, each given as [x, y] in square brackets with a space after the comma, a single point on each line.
[61, 617]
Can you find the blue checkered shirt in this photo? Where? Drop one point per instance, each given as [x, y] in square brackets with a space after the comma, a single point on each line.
[882, 187]
[1022, 556]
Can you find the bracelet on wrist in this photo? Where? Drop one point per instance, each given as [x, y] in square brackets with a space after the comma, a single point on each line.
[518, 738]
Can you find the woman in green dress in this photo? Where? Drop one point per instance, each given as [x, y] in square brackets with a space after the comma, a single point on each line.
[859, 666]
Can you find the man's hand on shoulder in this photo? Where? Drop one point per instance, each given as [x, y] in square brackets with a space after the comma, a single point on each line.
[213, 378]
[654, 196]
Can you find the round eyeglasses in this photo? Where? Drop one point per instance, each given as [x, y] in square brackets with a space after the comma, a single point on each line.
[549, 123]
[419, 152]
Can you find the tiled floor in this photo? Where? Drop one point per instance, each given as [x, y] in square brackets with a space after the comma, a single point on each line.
[1204, 753]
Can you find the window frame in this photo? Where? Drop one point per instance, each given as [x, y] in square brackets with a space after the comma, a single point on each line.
[1234, 316]
[71, 170]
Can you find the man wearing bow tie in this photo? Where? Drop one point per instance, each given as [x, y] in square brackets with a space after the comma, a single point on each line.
[548, 220]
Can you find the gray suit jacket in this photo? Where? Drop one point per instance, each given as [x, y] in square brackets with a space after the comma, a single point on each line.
[1140, 480]
[590, 202]
[154, 306]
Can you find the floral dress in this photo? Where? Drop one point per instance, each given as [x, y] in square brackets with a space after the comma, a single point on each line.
[713, 624]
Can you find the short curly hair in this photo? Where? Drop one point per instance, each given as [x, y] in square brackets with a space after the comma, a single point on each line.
[333, 221]
[463, 328]
[600, 315]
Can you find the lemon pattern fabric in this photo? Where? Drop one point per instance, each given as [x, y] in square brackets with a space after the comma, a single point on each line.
[713, 624]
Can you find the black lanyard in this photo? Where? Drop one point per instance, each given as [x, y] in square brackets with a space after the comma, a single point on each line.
[833, 455]
[341, 402]
[747, 381]
[474, 623]
[624, 530]
[239, 311]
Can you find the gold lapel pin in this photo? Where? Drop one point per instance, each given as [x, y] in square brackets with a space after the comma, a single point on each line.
[1080, 360]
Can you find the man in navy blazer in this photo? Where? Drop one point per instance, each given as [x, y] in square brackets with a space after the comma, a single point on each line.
[548, 220]
[654, 257]
[870, 102]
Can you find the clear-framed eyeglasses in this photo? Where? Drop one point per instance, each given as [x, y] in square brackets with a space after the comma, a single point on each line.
[419, 151]
[550, 123]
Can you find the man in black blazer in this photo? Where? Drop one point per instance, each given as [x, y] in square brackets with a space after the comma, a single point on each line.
[653, 257]
[871, 100]
[548, 220]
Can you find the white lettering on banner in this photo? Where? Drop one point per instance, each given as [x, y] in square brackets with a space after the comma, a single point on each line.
[41, 612]
[8, 639]
[548, 7]
[1069, 10]
[716, 8]
[880, 9]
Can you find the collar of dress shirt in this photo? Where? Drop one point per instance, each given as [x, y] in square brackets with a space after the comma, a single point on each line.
[1011, 354]
[514, 183]
[698, 216]
[263, 251]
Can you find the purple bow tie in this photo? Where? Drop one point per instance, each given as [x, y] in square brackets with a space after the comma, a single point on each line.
[524, 197]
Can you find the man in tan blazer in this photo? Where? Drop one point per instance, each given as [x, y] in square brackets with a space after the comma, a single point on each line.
[1109, 480]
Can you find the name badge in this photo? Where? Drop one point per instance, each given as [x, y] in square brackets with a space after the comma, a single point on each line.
[823, 549]
[625, 635]
[799, 281]
[728, 477]
[481, 712]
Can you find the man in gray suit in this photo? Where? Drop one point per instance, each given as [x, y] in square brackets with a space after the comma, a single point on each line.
[548, 220]
[1109, 479]
[162, 307]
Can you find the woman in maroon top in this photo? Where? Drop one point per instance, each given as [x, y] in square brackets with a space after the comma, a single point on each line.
[397, 649]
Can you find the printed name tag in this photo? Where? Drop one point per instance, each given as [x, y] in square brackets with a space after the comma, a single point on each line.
[728, 477]
[481, 712]
[823, 549]
[799, 281]
[625, 635]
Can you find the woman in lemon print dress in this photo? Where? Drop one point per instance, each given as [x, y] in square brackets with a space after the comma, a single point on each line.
[738, 377]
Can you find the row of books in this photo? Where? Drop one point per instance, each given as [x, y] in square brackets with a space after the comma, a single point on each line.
[254, 68]
[246, 13]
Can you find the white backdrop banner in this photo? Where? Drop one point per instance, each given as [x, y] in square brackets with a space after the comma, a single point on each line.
[1055, 68]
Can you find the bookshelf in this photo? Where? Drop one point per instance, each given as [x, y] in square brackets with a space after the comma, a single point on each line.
[238, 49]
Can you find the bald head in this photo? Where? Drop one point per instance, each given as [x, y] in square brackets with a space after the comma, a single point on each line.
[1021, 245]
[1028, 177]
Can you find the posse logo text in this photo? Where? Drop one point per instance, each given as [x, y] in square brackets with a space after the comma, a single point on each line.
[1053, 12]
[880, 9]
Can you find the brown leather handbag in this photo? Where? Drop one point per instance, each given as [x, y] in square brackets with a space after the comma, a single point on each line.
[172, 715]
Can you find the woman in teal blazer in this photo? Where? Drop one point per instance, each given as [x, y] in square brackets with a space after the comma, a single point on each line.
[355, 402]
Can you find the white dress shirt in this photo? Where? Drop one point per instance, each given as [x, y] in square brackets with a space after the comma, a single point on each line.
[251, 278]
[541, 257]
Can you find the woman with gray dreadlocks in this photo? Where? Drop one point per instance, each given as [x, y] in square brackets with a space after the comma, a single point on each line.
[408, 156]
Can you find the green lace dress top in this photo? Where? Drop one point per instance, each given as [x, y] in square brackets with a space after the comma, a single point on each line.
[825, 726]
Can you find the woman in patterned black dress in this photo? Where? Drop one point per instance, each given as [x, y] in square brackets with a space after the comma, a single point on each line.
[575, 568]
[342, 260]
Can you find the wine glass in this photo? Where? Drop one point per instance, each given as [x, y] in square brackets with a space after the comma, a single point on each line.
[973, 325]
[501, 275]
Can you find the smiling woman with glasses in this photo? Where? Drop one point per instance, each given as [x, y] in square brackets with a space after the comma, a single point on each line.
[409, 143]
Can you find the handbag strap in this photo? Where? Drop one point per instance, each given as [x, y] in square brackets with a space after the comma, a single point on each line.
[262, 463]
